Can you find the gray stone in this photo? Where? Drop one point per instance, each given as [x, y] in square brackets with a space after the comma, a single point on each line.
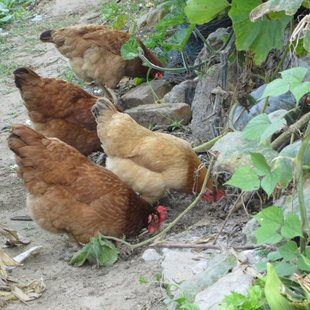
[150, 254]
[161, 114]
[235, 281]
[184, 92]
[202, 105]
[143, 94]
[217, 267]
[182, 265]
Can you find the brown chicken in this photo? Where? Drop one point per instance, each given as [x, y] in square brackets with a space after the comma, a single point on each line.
[94, 52]
[67, 193]
[151, 163]
[59, 109]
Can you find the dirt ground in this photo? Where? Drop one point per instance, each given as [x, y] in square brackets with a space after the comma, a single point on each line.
[116, 287]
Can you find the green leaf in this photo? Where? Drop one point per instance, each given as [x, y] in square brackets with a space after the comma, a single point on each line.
[289, 250]
[303, 263]
[261, 166]
[276, 88]
[285, 269]
[98, 251]
[286, 166]
[289, 6]
[120, 22]
[259, 37]
[273, 294]
[256, 126]
[271, 129]
[267, 235]
[300, 90]
[130, 49]
[271, 217]
[275, 255]
[270, 181]
[261, 266]
[297, 46]
[291, 227]
[203, 11]
[307, 39]
[245, 179]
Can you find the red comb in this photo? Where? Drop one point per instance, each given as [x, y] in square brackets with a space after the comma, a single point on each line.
[162, 213]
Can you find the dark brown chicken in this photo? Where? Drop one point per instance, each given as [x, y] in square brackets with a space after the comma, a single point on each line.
[67, 193]
[151, 163]
[59, 109]
[94, 53]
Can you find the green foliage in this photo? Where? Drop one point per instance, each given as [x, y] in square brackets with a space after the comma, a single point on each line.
[292, 80]
[98, 251]
[254, 300]
[131, 49]
[181, 301]
[274, 229]
[11, 10]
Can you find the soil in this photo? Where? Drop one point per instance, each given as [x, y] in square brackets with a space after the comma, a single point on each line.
[116, 287]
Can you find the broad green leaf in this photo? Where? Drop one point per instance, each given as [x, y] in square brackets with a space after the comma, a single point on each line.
[270, 181]
[256, 126]
[289, 250]
[120, 22]
[275, 299]
[276, 88]
[297, 46]
[130, 49]
[271, 217]
[294, 75]
[261, 266]
[303, 263]
[275, 255]
[291, 227]
[300, 90]
[267, 235]
[271, 129]
[176, 17]
[259, 37]
[286, 166]
[203, 11]
[261, 166]
[100, 252]
[293, 149]
[285, 269]
[244, 178]
[289, 6]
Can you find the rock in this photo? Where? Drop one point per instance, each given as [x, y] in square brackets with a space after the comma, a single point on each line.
[143, 94]
[157, 114]
[152, 18]
[184, 92]
[203, 102]
[217, 266]
[150, 254]
[235, 281]
[182, 265]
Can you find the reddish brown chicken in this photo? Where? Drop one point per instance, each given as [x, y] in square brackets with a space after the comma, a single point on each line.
[67, 193]
[59, 109]
[151, 163]
[94, 53]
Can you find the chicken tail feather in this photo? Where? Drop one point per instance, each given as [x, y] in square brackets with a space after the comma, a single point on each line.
[21, 136]
[103, 104]
[46, 36]
[22, 74]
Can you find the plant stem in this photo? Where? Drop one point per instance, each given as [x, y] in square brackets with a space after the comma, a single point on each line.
[299, 178]
[134, 246]
[202, 146]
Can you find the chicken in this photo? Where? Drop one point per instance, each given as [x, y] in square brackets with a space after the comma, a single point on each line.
[59, 109]
[94, 52]
[67, 193]
[149, 162]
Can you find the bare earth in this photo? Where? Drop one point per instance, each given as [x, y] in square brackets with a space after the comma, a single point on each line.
[116, 287]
